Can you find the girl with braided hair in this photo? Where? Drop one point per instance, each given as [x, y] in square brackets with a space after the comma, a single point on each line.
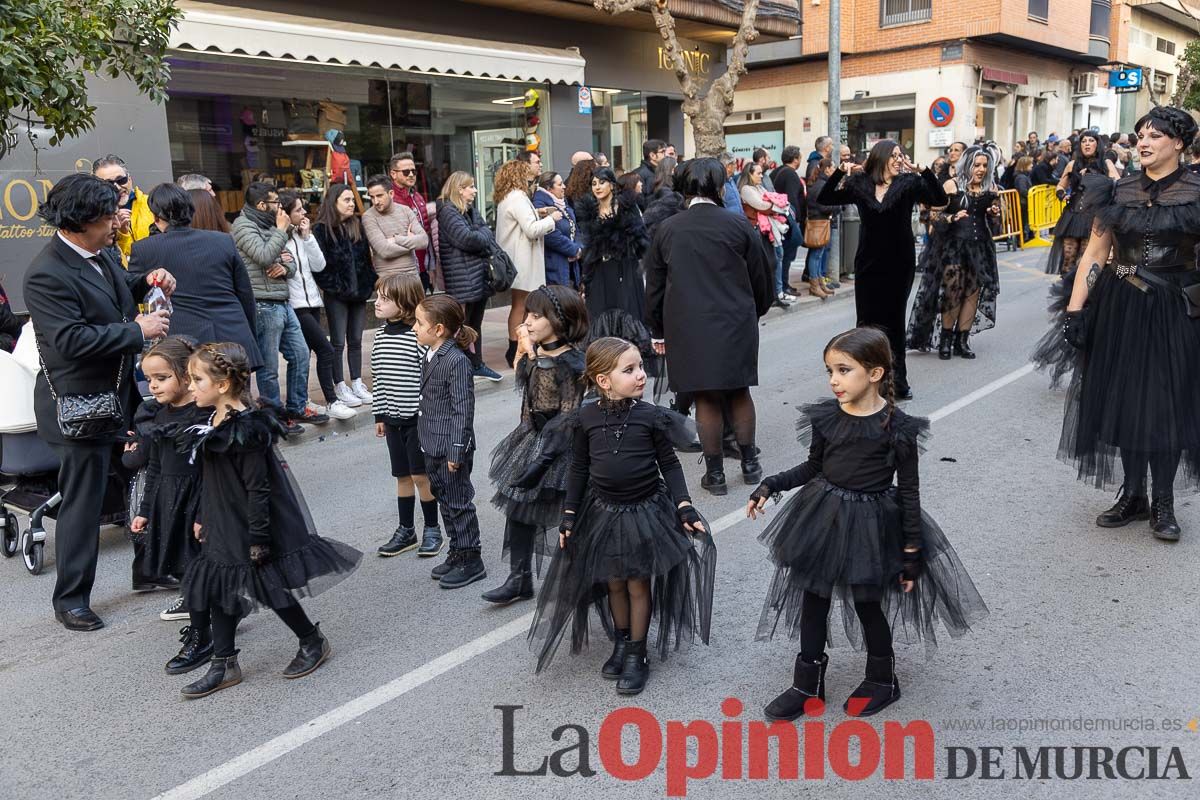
[531, 475]
[258, 546]
[960, 279]
[851, 535]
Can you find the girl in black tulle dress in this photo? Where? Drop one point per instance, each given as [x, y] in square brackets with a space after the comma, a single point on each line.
[960, 280]
[530, 479]
[258, 547]
[1133, 398]
[850, 535]
[631, 543]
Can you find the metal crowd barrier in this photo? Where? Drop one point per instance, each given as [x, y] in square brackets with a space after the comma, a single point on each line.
[1010, 218]
[1044, 211]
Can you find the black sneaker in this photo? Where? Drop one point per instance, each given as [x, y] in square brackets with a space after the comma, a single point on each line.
[176, 611]
[309, 415]
[441, 569]
[292, 427]
[403, 540]
[467, 569]
[432, 542]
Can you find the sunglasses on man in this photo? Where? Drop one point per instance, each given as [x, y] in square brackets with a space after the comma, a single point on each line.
[407, 172]
[120, 180]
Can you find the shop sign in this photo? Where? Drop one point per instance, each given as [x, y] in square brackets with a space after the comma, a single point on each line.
[698, 62]
[585, 100]
[743, 145]
[941, 112]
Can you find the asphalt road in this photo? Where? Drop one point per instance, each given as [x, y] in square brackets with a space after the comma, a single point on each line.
[1090, 630]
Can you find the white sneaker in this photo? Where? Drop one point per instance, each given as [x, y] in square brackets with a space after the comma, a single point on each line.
[346, 395]
[783, 297]
[339, 410]
[317, 408]
[361, 391]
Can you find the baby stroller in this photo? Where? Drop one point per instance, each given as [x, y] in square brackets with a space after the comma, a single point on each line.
[29, 468]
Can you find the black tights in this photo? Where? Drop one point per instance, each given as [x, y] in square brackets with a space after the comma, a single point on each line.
[713, 408]
[630, 604]
[520, 544]
[224, 626]
[1163, 467]
[814, 627]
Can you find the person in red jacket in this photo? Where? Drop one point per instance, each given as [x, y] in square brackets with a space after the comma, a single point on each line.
[403, 170]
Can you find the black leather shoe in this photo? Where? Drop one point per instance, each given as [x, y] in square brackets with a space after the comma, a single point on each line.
[79, 619]
[403, 540]
[222, 673]
[193, 654]
[961, 348]
[635, 670]
[519, 586]
[877, 691]
[714, 483]
[1162, 519]
[616, 662]
[751, 472]
[808, 682]
[313, 652]
[1128, 508]
[161, 583]
[946, 344]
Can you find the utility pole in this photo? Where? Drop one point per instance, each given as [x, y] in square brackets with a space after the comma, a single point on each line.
[834, 128]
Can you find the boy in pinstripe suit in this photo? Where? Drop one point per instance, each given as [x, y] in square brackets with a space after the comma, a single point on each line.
[445, 428]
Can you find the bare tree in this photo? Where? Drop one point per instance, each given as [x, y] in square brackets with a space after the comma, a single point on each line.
[709, 109]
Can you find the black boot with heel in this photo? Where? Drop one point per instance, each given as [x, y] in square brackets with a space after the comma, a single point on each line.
[713, 480]
[961, 348]
[946, 344]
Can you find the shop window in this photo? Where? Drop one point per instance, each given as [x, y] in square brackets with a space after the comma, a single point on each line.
[1039, 10]
[902, 12]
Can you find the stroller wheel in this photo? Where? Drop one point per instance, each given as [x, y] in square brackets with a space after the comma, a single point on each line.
[33, 552]
[9, 536]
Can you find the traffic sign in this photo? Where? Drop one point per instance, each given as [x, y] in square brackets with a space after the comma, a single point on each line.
[941, 112]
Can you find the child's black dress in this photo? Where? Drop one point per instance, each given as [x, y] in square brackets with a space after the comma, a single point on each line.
[551, 388]
[251, 497]
[843, 533]
[625, 527]
[171, 493]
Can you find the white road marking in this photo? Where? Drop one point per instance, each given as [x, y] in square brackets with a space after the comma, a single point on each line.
[297, 737]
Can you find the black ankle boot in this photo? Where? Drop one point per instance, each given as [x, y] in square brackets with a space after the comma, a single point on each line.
[1162, 519]
[878, 691]
[714, 476]
[519, 586]
[946, 344]
[751, 469]
[511, 353]
[808, 681]
[313, 652]
[961, 348]
[195, 651]
[1128, 508]
[612, 668]
[222, 673]
[635, 670]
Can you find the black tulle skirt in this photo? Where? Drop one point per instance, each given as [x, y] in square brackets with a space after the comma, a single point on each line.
[170, 540]
[953, 268]
[1138, 385]
[1052, 354]
[848, 546]
[541, 506]
[620, 542]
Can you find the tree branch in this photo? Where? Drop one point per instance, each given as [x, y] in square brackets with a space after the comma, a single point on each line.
[747, 33]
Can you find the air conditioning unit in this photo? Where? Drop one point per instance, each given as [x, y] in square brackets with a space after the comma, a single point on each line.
[1083, 84]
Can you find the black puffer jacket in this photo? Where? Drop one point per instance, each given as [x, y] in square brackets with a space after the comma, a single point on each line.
[349, 275]
[464, 241]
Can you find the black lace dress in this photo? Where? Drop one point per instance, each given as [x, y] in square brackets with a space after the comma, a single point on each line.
[550, 388]
[249, 496]
[624, 484]
[1077, 217]
[171, 494]
[1136, 390]
[959, 261]
[842, 535]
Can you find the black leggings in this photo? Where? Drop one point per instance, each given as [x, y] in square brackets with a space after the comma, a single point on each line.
[224, 626]
[1163, 467]
[318, 342]
[814, 627]
[712, 410]
[346, 322]
[474, 318]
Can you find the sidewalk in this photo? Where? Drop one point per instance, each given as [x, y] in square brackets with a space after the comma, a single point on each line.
[495, 343]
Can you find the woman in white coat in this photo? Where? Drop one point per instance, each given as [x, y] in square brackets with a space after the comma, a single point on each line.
[520, 230]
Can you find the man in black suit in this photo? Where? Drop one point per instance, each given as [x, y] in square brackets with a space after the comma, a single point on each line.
[213, 301]
[88, 331]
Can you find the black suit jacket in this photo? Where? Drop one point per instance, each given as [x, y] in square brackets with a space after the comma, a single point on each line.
[445, 423]
[213, 301]
[85, 329]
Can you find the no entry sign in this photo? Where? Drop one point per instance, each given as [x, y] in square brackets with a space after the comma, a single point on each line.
[941, 112]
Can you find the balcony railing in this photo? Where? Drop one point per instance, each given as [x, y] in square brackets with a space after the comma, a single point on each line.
[902, 12]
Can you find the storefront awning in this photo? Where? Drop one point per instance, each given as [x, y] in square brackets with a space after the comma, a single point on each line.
[210, 28]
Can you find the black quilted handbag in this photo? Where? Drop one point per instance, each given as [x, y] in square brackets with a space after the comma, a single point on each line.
[84, 417]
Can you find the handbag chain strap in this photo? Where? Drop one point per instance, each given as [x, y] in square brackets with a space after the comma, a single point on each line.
[38, 346]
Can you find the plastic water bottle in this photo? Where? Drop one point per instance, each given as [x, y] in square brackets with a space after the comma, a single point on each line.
[157, 300]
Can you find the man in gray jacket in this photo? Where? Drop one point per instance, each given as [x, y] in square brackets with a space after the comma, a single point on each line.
[261, 234]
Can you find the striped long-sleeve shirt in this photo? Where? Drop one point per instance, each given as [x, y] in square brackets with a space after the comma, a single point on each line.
[396, 373]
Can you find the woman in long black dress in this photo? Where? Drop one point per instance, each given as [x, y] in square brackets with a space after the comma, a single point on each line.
[1133, 402]
[885, 190]
[708, 280]
[614, 239]
[959, 276]
[1087, 171]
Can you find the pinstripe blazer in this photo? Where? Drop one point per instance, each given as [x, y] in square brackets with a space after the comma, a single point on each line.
[446, 420]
